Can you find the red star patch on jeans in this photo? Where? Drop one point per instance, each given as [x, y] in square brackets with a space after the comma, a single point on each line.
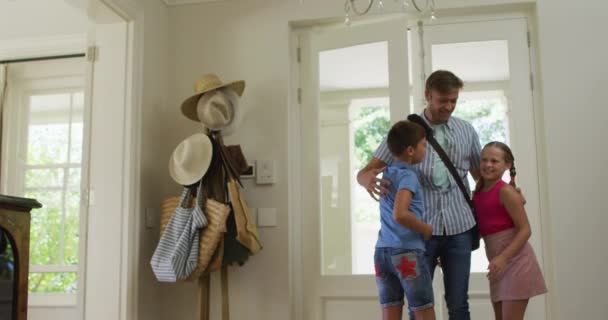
[407, 268]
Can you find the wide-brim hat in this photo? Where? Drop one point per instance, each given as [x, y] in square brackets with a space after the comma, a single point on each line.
[191, 159]
[203, 85]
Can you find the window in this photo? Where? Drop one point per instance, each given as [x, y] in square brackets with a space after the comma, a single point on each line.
[52, 174]
[44, 151]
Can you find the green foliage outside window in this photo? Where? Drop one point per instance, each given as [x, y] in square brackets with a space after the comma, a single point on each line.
[488, 117]
[371, 125]
[55, 183]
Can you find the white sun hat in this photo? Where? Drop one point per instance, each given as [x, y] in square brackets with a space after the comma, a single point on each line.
[191, 159]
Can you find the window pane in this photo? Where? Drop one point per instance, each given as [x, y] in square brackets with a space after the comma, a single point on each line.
[369, 126]
[72, 227]
[481, 64]
[74, 178]
[49, 108]
[60, 282]
[47, 144]
[352, 123]
[54, 143]
[76, 143]
[476, 61]
[78, 101]
[487, 112]
[45, 234]
[40, 178]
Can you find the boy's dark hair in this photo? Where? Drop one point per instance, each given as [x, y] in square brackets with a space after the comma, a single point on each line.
[404, 134]
[443, 81]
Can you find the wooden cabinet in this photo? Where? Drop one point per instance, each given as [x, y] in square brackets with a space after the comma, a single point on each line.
[14, 255]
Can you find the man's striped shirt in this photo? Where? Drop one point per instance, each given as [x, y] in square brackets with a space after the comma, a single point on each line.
[446, 208]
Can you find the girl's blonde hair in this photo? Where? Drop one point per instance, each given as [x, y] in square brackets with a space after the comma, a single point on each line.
[508, 157]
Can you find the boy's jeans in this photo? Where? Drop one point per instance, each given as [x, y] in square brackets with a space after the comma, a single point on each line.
[455, 254]
[403, 272]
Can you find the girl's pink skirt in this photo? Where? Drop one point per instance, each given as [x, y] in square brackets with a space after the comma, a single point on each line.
[522, 278]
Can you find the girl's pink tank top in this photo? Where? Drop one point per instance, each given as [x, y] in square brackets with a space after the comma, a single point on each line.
[490, 214]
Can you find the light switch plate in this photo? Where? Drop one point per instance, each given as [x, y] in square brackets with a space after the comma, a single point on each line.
[267, 217]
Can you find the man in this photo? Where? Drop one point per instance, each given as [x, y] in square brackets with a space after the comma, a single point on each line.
[446, 208]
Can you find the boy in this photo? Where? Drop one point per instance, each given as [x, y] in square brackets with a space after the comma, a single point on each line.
[399, 254]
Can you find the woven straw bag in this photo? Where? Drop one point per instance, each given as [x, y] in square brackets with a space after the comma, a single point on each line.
[217, 213]
[210, 236]
[176, 255]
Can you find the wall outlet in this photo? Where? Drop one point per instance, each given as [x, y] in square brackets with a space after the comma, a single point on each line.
[152, 218]
[265, 172]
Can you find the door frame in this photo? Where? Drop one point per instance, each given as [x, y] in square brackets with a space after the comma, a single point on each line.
[128, 257]
[527, 11]
[130, 227]
[300, 76]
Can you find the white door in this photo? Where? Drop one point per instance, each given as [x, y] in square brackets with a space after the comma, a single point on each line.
[69, 130]
[492, 57]
[355, 84]
[105, 250]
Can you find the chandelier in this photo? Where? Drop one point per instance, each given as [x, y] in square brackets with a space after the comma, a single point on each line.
[418, 7]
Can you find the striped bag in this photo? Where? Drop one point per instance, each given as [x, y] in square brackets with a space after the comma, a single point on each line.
[176, 255]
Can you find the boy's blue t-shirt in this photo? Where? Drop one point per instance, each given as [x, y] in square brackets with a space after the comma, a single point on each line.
[392, 234]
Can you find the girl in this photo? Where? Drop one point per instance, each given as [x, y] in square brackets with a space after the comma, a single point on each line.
[514, 273]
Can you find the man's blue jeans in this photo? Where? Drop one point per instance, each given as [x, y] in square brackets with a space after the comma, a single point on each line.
[455, 254]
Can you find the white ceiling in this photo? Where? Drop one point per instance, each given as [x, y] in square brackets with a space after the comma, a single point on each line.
[366, 66]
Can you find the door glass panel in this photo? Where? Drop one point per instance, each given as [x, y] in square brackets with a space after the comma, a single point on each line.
[353, 119]
[483, 102]
[477, 61]
[487, 112]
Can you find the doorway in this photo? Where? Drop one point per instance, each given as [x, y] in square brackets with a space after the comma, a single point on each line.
[356, 81]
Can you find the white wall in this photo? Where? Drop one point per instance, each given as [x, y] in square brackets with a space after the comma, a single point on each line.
[574, 68]
[153, 165]
[249, 40]
[241, 40]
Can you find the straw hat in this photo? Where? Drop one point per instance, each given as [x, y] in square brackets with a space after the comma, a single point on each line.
[204, 84]
[191, 159]
[215, 109]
